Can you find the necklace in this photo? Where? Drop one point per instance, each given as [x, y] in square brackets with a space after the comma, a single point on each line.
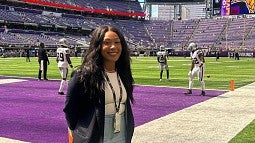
[117, 107]
[117, 117]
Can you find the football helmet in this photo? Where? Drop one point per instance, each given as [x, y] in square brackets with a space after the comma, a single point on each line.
[63, 42]
[192, 46]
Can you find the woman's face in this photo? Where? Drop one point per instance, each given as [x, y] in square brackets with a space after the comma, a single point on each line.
[111, 47]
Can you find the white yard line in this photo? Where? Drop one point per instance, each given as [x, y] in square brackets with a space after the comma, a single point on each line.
[7, 140]
[4, 81]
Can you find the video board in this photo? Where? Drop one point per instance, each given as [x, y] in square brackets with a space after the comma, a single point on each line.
[236, 7]
[217, 7]
[241, 7]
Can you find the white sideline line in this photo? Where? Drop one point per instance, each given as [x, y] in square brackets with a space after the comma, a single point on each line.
[7, 140]
[4, 81]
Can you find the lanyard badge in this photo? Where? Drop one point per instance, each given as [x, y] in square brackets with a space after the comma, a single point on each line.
[117, 116]
[117, 122]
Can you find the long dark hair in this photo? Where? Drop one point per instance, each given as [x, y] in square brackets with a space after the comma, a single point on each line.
[92, 69]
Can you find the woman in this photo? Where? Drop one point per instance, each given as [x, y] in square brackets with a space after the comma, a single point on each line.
[97, 107]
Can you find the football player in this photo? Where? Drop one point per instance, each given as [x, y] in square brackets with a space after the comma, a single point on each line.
[192, 47]
[197, 69]
[162, 60]
[63, 60]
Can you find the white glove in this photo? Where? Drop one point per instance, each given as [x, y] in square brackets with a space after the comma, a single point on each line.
[189, 74]
[201, 64]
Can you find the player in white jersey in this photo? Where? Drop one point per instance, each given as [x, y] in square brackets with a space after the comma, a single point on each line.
[162, 60]
[197, 69]
[63, 60]
[192, 47]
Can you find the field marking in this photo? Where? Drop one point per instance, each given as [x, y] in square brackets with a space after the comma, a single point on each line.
[4, 81]
[214, 62]
[169, 60]
[179, 87]
[213, 120]
[8, 140]
[229, 61]
[232, 66]
[153, 67]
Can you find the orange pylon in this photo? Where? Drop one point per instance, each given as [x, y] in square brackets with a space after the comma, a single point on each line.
[232, 85]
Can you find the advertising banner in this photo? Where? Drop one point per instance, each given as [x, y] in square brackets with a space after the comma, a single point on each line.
[225, 8]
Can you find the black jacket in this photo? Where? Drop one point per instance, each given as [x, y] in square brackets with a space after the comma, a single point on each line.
[87, 117]
[42, 54]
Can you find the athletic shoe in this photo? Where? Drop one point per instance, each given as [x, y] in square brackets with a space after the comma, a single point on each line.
[202, 93]
[160, 79]
[188, 92]
[61, 93]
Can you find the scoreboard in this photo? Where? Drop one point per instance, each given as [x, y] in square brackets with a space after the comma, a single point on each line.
[233, 7]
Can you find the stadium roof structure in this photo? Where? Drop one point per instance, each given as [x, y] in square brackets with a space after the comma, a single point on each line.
[84, 9]
[159, 2]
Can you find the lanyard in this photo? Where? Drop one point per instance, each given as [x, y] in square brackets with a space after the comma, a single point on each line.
[117, 107]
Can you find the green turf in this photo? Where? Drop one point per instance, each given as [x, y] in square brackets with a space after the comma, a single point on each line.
[146, 72]
[246, 135]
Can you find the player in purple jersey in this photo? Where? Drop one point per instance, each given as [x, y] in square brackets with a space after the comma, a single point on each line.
[63, 60]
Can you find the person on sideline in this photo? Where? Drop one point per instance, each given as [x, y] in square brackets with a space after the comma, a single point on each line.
[43, 62]
[162, 60]
[27, 55]
[100, 91]
[197, 69]
[63, 60]
[217, 55]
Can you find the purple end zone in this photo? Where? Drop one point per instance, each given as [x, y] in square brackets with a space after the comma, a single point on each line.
[155, 102]
[32, 110]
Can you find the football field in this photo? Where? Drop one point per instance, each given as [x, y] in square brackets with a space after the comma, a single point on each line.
[146, 72]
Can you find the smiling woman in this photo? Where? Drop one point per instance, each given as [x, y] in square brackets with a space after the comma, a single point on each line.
[98, 107]
[111, 50]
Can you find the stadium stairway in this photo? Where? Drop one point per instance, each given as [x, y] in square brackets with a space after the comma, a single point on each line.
[217, 120]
